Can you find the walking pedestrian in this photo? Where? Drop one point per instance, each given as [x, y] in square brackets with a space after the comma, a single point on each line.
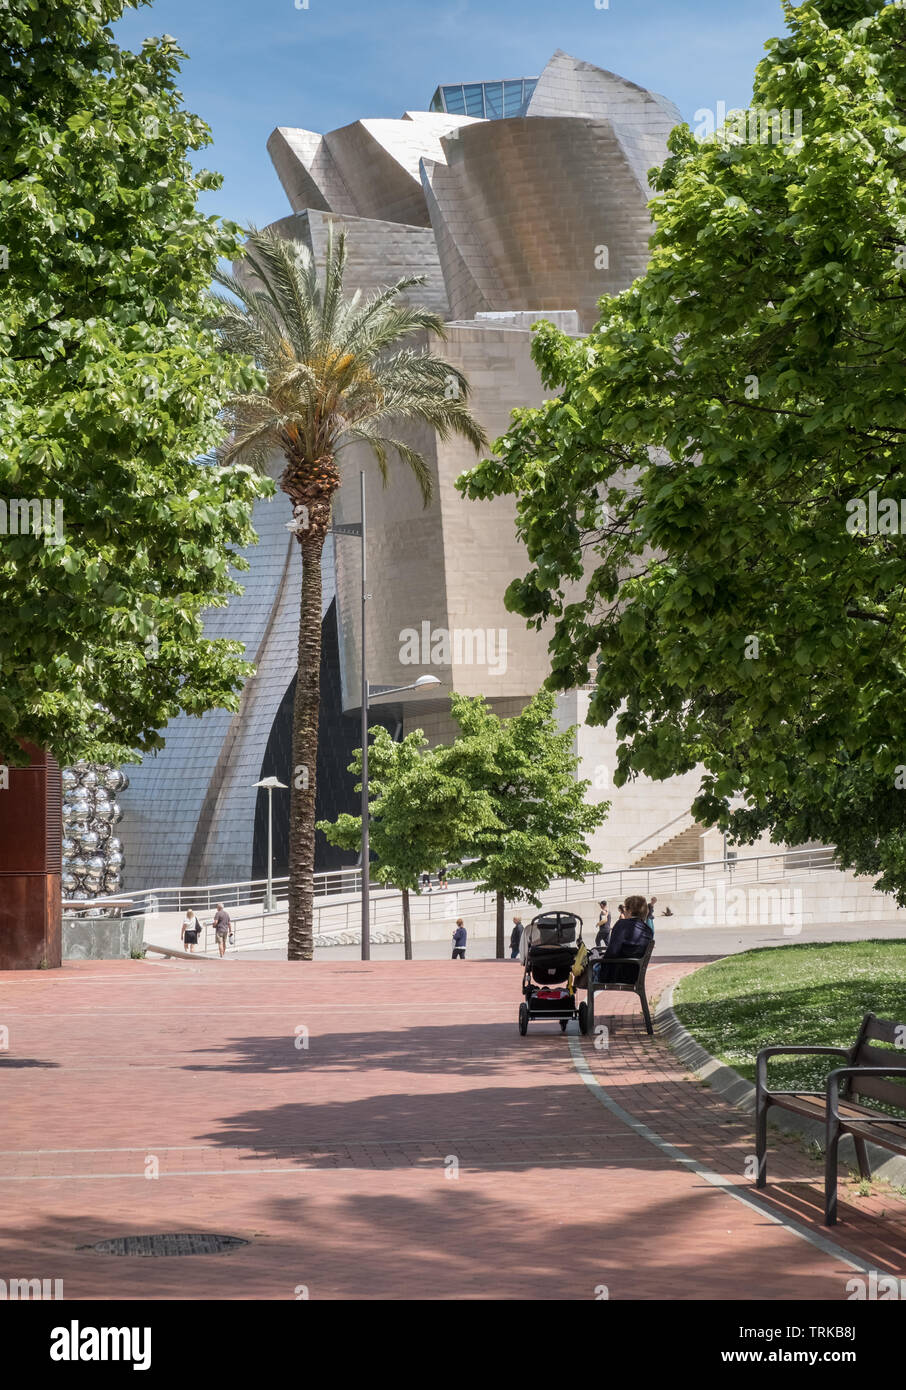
[650, 917]
[516, 936]
[189, 931]
[426, 882]
[459, 941]
[442, 877]
[602, 936]
[222, 928]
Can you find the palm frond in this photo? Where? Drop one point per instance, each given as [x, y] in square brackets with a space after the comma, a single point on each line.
[287, 272]
[380, 444]
[371, 316]
[331, 370]
[251, 443]
[334, 272]
[419, 386]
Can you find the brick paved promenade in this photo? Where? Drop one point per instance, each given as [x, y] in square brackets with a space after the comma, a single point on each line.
[333, 1161]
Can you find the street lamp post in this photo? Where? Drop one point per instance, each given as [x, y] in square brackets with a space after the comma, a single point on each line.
[357, 528]
[271, 784]
[367, 691]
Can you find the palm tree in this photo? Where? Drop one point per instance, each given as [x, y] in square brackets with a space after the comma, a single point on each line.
[335, 375]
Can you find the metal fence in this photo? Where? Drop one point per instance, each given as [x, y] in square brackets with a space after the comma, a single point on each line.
[610, 883]
[338, 912]
[204, 897]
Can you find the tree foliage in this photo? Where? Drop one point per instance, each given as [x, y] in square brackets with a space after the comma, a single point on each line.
[684, 498]
[110, 393]
[502, 800]
[527, 766]
[421, 816]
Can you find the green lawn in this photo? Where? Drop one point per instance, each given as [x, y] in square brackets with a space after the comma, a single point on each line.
[811, 994]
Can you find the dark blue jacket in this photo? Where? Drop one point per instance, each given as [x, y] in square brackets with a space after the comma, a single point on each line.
[459, 937]
[629, 937]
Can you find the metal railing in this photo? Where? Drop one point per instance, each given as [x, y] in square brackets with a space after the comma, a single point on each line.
[339, 922]
[683, 815]
[246, 893]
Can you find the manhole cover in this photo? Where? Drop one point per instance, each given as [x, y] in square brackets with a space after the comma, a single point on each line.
[179, 1244]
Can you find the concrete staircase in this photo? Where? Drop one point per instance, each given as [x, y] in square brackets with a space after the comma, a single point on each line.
[685, 847]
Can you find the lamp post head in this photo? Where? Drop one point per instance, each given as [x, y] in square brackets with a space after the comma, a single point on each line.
[271, 784]
[419, 684]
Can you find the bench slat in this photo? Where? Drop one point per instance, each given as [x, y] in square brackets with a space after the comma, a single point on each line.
[877, 1133]
[880, 1088]
[805, 1104]
[883, 1030]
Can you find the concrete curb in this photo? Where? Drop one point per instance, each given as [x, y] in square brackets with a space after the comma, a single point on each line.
[176, 955]
[740, 1093]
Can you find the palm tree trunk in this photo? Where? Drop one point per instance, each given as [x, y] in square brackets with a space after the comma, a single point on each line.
[407, 926]
[305, 755]
[500, 907]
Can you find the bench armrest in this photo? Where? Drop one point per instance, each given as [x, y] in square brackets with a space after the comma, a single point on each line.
[761, 1061]
[833, 1089]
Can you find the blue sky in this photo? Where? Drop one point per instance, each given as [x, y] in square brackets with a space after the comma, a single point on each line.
[257, 64]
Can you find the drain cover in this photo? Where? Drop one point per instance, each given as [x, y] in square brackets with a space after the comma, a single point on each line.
[179, 1244]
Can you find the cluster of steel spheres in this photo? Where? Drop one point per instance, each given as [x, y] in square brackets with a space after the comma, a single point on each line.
[92, 854]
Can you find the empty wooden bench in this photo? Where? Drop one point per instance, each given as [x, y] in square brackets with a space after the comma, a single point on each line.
[866, 1076]
[634, 984]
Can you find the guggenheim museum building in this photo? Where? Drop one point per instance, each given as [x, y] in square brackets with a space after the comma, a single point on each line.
[516, 200]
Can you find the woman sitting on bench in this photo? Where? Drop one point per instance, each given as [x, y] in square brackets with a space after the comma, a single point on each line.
[629, 937]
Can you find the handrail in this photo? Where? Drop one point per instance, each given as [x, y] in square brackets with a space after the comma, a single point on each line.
[240, 893]
[607, 881]
[661, 830]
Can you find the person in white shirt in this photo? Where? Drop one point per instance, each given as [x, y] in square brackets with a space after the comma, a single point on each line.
[189, 931]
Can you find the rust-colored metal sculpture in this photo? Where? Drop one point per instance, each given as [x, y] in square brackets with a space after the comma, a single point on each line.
[30, 864]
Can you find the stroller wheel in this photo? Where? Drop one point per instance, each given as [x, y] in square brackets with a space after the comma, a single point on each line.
[583, 1017]
[523, 1019]
[563, 1023]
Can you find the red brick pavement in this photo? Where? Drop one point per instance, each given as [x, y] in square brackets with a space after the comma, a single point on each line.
[416, 1148]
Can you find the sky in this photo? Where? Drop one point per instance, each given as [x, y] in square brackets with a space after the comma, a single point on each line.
[257, 64]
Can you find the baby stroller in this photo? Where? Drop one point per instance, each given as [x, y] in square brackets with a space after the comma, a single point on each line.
[553, 943]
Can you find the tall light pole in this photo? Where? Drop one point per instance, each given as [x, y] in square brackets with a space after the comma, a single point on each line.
[272, 784]
[354, 528]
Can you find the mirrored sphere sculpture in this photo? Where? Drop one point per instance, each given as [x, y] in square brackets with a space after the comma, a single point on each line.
[92, 855]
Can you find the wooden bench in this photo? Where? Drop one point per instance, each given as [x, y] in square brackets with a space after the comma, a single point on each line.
[638, 965]
[840, 1106]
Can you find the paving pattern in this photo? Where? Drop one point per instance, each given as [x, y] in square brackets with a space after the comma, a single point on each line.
[380, 1130]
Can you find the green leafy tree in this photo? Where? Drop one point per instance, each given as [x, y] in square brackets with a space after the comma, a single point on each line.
[692, 501]
[335, 376]
[114, 537]
[420, 816]
[527, 767]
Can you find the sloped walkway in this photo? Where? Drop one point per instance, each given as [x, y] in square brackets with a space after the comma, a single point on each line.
[412, 1145]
